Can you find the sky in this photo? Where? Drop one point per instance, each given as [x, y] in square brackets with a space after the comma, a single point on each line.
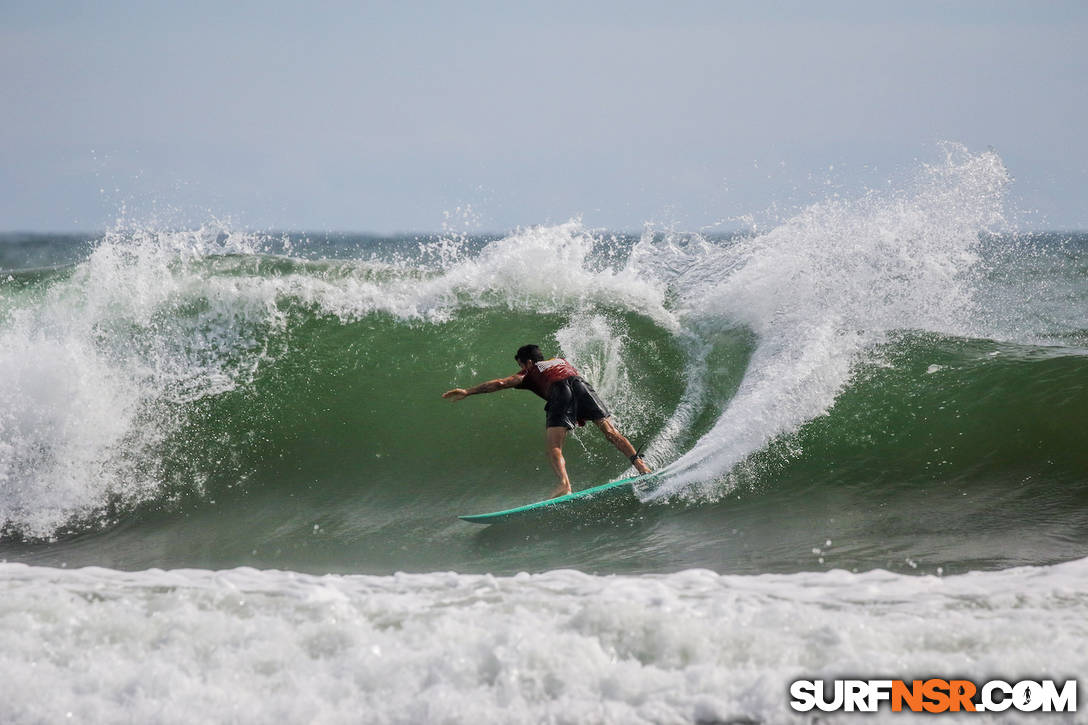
[394, 117]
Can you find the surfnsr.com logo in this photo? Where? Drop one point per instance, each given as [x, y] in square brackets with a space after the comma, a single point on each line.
[933, 695]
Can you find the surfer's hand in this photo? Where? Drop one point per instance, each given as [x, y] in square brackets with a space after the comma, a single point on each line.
[455, 394]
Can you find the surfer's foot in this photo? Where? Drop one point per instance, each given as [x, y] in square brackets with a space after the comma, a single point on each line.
[641, 467]
[560, 490]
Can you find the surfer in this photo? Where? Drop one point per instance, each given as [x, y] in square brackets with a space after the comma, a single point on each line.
[570, 401]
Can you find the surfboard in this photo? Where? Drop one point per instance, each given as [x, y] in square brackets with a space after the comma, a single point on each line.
[570, 503]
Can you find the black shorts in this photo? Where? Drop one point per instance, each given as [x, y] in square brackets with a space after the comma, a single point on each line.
[573, 401]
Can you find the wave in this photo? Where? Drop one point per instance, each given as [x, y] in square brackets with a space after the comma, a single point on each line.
[169, 365]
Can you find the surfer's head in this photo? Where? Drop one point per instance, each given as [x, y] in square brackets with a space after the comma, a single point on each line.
[528, 354]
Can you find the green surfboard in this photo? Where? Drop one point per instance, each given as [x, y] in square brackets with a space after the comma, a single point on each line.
[570, 503]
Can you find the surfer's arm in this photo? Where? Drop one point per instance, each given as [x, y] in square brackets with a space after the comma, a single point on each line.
[491, 386]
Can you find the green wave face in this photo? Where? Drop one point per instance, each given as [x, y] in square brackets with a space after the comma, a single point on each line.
[357, 407]
[347, 432]
[947, 409]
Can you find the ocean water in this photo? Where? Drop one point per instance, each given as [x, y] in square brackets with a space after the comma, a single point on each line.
[229, 485]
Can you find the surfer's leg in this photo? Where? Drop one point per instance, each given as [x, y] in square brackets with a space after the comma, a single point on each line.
[622, 444]
[555, 437]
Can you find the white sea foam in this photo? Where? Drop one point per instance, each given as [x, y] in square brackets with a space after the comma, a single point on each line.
[97, 645]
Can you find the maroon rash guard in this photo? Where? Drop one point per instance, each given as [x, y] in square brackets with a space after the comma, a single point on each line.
[540, 375]
[571, 402]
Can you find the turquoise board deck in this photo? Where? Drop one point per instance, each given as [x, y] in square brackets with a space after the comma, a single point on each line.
[569, 503]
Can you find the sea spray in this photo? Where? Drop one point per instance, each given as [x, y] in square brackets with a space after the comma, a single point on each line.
[97, 370]
[827, 285]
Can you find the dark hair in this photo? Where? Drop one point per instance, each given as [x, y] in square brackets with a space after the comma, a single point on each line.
[529, 353]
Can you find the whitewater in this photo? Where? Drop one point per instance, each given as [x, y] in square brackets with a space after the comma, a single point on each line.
[242, 645]
[229, 487]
